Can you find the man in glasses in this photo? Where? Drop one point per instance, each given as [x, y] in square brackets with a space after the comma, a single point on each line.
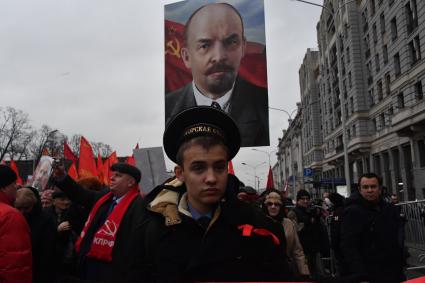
[370, 241]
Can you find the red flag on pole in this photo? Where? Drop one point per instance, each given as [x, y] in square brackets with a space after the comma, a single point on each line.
[14, 167]
[270, 183]
[72, 171]
[230, 168]
[130, 160]
[86, 165]
[112, 159]
[68, 154]
[99, 167]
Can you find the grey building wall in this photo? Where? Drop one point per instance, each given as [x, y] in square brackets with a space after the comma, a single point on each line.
[371, 73]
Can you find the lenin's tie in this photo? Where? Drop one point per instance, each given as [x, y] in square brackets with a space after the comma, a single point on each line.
[215, 105]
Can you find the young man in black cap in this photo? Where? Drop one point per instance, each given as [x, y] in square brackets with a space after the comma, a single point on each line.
[105, 246]
[197, 230]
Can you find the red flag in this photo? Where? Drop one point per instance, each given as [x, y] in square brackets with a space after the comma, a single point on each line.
[253, 66]
[14, 167]
[68, 154]
[99, 167]
[230, 168]
[86, 165]
[72, 171]
[270, 183]
[105, 172]
[112, 159]
[130, 160]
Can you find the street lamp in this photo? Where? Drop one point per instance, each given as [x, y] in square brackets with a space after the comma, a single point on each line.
[255, 171]
[341, 96]
[266, 152]
[287, 113]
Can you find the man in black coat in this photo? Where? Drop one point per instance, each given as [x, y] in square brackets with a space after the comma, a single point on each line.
[370, 241]
[197, 230]
[43, 232]
[214, 45]
[105, 246]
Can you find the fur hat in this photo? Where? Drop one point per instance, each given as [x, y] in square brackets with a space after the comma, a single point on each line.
[7, 176]
[273, 197]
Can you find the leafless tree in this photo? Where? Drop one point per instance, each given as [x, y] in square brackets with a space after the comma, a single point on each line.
[15, 132]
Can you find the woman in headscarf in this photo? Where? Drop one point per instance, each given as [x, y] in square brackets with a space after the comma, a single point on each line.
[273, 206]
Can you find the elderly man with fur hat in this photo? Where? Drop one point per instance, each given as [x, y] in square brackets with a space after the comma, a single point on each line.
[15, 242]
[197, 229]
[106, 244]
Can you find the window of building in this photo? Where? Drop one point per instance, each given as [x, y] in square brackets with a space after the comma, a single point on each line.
[353, 131]
[364, 19]
[377, 63]
[382, 23]
[371, 97]
[390, 2]
[369, 72]
[400, 100]
[414, 50]
[374, 34]
[367, 46]
[421, 151]
[385, 54]
[350, 81]
[411, 12]
[382, 120]
[379, 91]
[352, 104]
[419, 93]
[397, 68]
[347, 50]
[372, 7]
[394, 33]
[387, 84]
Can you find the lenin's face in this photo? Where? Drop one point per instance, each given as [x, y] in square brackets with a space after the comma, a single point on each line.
[214, 49]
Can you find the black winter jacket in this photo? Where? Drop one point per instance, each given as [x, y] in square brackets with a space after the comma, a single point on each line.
[369, 241]
[185, 252]
[119, 269]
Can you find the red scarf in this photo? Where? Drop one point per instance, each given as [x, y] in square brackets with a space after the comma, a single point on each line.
[104, 238]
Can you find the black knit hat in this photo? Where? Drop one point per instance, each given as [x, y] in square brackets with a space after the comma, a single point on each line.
[302, 193]
[7, 176]
[201, 121]
[126, 168]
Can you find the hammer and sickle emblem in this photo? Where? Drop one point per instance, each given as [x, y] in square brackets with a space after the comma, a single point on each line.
[110, 228]
[173, 48]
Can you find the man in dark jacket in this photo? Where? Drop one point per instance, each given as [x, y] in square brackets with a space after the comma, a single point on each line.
[43, 232]
[197, 230]
[369, 235]
[106, 244]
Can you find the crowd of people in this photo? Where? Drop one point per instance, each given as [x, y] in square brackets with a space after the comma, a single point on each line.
[201, 225]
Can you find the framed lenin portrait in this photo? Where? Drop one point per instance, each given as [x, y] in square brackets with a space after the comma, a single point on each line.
[215, 55]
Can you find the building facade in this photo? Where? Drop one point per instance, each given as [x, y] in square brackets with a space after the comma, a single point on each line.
[370, 81]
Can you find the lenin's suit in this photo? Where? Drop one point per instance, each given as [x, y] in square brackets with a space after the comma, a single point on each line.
[248, 107]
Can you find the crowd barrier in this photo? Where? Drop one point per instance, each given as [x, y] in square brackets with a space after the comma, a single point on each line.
[413, 217]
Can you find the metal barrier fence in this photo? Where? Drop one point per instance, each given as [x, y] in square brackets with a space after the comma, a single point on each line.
[413, 213]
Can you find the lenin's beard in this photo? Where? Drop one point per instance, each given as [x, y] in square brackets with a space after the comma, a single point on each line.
[220, 84]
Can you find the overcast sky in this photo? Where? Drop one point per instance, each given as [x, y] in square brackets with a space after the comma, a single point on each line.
[96, 68]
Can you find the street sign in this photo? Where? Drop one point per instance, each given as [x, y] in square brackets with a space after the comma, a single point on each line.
[308, 172]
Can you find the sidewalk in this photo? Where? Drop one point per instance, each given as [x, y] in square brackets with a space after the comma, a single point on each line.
[413, 261]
